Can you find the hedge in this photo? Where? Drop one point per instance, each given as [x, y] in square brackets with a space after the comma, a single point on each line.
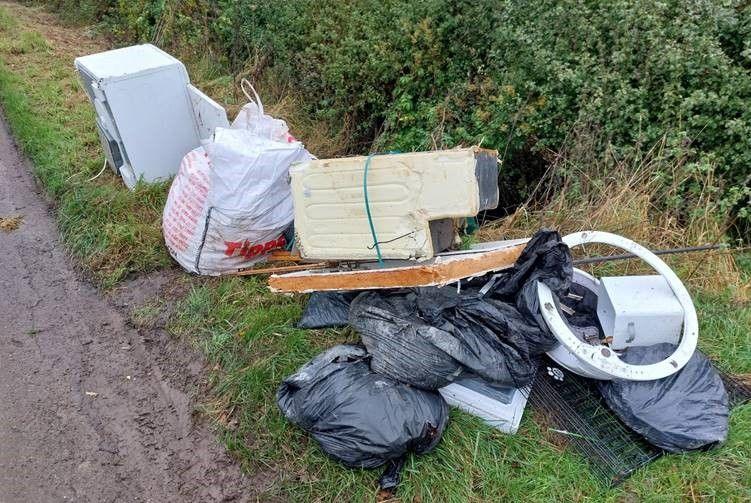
[515, 75]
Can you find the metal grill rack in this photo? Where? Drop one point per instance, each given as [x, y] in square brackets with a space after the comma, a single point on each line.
[573, 409]
[739, 393]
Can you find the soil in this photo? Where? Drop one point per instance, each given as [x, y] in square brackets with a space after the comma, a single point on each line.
[91, 407]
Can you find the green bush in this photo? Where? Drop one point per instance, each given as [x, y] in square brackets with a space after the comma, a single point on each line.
[514, 75]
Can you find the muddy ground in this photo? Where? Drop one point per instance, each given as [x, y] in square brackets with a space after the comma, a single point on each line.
[91, 408]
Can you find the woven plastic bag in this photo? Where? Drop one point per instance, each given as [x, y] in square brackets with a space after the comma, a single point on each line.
[230, 201]
[253, 118]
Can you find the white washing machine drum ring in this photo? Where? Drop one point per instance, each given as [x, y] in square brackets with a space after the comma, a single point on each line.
[599, 361]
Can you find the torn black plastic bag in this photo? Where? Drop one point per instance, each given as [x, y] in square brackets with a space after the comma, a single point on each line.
[358, 417]
[686, 411]
[326, 309]
[427, 337]
[546, 258]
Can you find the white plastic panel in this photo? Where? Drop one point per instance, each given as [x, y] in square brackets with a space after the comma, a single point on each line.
[639, 311]
[405, 191]
[126, 62]
[501, 407]
[209, 114]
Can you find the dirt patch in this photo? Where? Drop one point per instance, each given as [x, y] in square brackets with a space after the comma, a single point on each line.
[94, 409]
[62, 38]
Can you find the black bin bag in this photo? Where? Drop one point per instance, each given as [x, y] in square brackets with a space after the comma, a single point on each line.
[358, 417]
[427, 337]
[546, 258]
[686, 411]
[491, 327]
[326, 309]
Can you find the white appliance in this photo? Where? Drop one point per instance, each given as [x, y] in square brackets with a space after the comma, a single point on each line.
[499, 406]
[343, 206]
[639, 311]
[632, 310]
[148, 114]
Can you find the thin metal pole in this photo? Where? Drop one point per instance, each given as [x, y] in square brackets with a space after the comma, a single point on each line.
[626, 256]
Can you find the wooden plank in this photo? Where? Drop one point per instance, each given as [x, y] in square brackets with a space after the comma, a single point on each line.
[280, 269]
[284, 256]
[436, 272]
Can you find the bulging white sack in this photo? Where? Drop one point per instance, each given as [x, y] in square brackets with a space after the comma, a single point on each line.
[230, 201]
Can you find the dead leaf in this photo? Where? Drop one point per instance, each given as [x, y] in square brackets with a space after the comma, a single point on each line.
[11, 223]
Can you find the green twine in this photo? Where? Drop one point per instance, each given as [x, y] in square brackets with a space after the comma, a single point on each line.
[367, 210]
[376, 243]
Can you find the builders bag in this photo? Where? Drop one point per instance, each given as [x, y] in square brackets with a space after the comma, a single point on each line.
[252, 117]
[230, 201]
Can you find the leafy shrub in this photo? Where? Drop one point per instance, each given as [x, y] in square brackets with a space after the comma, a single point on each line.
[514, 75]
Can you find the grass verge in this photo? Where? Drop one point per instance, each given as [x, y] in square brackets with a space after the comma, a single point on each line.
[249, 335]
[111, 231]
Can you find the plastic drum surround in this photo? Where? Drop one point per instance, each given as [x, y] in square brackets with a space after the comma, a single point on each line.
[600, 361]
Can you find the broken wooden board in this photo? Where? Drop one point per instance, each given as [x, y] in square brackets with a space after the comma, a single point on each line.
[284, 256]
[441, 270]
[279, 269]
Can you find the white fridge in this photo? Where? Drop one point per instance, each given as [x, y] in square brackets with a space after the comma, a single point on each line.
[148, 114]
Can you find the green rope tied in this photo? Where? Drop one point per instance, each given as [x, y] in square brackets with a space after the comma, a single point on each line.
[367, 210]
[376, 243]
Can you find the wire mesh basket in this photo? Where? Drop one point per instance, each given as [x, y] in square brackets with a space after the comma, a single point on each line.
[573, 409]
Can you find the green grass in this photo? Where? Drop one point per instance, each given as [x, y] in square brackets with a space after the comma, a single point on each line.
[249, 334]
[111, 231]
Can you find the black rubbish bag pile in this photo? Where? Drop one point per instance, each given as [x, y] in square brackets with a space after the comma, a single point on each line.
[372, 406]
[429, 337]
[491, 327]
[359, 417]
[369, 407]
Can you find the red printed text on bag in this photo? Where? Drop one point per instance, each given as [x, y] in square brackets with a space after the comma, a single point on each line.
[249, 250]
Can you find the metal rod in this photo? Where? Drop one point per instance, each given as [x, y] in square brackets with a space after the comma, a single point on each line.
[626, 256]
